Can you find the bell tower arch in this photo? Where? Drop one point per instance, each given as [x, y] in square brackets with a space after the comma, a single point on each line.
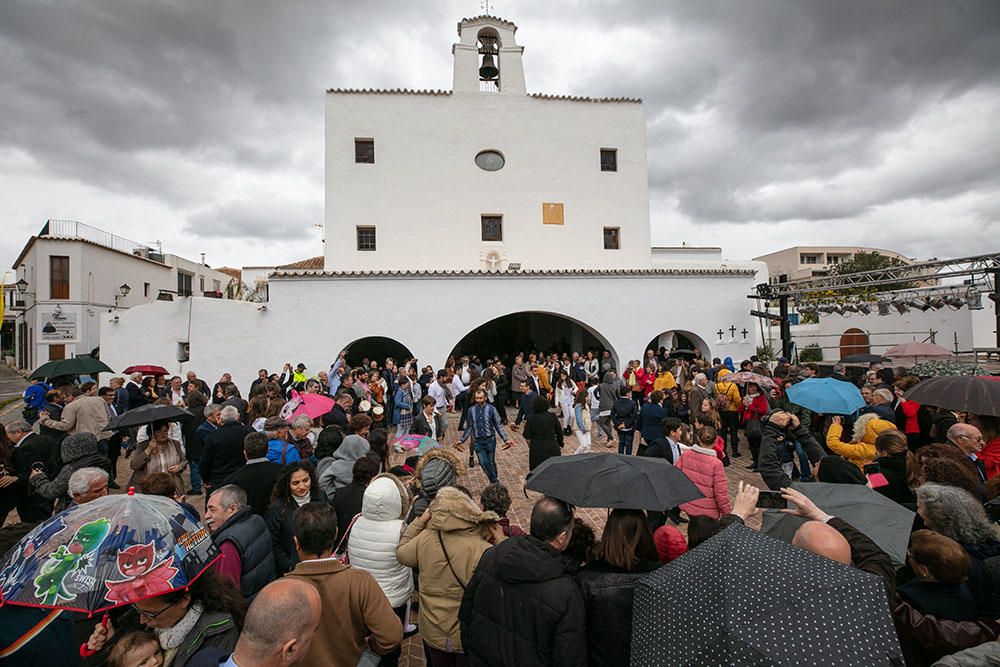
[487, 59]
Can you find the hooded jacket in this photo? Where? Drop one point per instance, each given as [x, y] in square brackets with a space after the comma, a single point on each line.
[375, 536]
[446, 548]
[861, 449]
[79, 450]
[436, 469]
[340, 472]
[522, 607]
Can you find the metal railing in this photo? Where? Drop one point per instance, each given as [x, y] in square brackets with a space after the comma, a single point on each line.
[77, 230]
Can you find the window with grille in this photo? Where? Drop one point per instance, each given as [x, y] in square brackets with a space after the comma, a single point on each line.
[612, 239]
[609, 159]
[492, 227]
[184, 284]
[58, 277]
[364, 151]
[366, 238]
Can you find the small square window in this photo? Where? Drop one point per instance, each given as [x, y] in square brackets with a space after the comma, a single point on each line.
[145, 290]
[612, 239]
[609, 159]
[364, 151]
[366, 238]
[492, 227]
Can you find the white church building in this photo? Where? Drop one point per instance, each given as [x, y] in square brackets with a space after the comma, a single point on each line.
[478, 219]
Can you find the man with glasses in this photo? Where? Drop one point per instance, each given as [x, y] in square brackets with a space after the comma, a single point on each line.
[523, 588]
[970, 440]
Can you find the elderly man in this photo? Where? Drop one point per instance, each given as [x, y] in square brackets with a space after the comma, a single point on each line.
[199, 384]
[699, 392]
[264, 643]
[30, 451]
[222, 451]
[242, 538]
[279, 449]
[136, 396]
[87, 484]
[970, 440]
[881, 405]
[86, 414]
[300, 434]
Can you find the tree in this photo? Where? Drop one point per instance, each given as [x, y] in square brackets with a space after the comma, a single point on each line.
[870, 261]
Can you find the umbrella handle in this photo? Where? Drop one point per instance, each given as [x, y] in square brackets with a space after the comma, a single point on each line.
[86, 652]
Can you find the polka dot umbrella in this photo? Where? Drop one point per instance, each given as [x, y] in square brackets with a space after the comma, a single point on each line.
[742, 598]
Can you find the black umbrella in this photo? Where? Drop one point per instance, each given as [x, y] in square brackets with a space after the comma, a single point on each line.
[79, 365]
[688, 354]
[863, 358]
[147, 414]
[742, 598]
[965, 393]
[613, 481]
[887, 523]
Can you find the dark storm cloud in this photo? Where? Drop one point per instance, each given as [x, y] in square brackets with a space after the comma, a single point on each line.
[757, 110]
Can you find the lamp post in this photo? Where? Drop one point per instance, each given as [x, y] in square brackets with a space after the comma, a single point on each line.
[123, 292]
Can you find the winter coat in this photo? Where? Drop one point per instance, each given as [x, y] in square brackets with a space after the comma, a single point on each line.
[544, 434]
[861, 450]
[702, 466]
[86, 414]
[435, 470]
[624, 414]
[79, 450]
[729, 390]
[757, 408]
[774, 440]
[222, 452]
[608, 594]
[446, 549]
[257, 480]
[925, 638]
[143, 464]
[375, 536]
[249, 535]
[279, 525]
[894, 469]
[608, 391]
[990, 456]
[650, 423]
[341, 470]
[522, 607]
[282, 452]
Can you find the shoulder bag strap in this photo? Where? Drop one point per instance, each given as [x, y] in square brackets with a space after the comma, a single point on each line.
[343, 538]
[447, 559]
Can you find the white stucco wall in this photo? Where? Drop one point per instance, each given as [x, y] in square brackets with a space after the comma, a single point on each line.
[425, 194]
[311, 319]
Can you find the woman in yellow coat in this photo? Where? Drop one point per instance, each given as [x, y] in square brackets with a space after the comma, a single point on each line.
[861, 449]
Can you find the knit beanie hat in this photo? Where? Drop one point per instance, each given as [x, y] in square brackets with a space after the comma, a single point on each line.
[670, 543]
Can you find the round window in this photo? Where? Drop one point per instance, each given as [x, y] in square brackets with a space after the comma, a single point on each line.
[490, 161]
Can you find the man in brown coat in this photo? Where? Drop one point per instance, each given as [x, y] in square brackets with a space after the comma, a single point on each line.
[86, 414]
[356, 614]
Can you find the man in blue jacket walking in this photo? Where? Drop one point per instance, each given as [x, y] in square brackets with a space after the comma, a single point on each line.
[484, 426]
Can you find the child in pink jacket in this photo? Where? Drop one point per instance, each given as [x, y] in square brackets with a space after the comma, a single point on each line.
[705, 470]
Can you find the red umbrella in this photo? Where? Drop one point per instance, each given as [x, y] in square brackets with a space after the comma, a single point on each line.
[147, 370]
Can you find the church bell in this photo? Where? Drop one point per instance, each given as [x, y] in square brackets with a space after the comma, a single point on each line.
[488, 49]
[489, 70]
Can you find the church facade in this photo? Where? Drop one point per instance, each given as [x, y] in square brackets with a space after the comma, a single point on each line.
[483, 213]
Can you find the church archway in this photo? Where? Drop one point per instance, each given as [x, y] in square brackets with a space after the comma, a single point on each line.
[376, 348]
[854, 341]
[532, 331]
[676, 339]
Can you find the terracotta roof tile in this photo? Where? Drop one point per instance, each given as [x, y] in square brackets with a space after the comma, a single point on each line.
[231, 272]
[311, 264]
[469, 273]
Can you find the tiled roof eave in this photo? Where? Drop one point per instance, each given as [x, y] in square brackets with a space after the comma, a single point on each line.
[583, 273]
[445, 93]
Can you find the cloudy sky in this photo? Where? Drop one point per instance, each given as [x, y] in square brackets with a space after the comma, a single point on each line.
[200, 123]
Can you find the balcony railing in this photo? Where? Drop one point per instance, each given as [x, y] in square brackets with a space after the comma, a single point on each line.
[71, 229]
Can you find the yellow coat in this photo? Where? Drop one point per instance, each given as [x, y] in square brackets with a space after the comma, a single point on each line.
[664, 381]
[862, 451]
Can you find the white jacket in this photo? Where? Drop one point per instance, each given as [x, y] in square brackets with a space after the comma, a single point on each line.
[372, 543]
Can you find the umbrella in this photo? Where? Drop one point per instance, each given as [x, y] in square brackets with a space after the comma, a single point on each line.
[918, 349]
[863, 358]
[744, 377]
[147, 370]
[826, 396]
[313, 405]
[689, 354]
[147, 414]
[106, 553]
[415, 444]
[613, 481]
[81, 365]
[742, 598]
[885, 522]
[965, 393]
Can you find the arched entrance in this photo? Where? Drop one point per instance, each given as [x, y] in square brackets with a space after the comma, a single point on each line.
[376, 348]
[676, 339]
[854, 341]
[528, 331]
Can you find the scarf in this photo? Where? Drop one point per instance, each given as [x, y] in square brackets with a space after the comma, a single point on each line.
[172, 638]
[302, 501]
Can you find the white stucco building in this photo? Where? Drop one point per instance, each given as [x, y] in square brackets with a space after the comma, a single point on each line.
[805, 262]
[483, 218]
[71, 275]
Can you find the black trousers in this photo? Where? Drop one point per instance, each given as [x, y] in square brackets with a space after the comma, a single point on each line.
[730, 431]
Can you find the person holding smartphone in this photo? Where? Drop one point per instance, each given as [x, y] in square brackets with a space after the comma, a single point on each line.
[778, 429]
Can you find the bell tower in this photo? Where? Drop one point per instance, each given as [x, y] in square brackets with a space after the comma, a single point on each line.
[487, 59]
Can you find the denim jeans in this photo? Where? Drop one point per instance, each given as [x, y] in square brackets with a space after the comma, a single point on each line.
[625, 441]
[486, 449]
[805, 469]
[193, 466]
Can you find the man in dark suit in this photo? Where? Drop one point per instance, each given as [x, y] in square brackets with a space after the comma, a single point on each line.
[341, 410]
[222, 450]
[257, 477]
[29, 449]
[136, 398]
[234, 399]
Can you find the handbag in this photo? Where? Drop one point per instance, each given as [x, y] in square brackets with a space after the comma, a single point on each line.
[447, 559]
[754, 429]
[345, 557]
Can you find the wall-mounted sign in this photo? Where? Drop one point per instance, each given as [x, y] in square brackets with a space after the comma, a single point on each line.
[552, 214]
[57, 326]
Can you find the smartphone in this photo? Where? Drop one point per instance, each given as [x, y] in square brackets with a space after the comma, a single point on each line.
[872, 468]
[771, 500]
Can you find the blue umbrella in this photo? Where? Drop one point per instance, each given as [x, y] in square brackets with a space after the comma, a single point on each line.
[827, 396]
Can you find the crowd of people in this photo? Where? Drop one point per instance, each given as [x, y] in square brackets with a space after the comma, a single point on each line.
[319, 529]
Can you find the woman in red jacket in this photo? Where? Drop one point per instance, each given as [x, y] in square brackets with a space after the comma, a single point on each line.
[754, 407]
